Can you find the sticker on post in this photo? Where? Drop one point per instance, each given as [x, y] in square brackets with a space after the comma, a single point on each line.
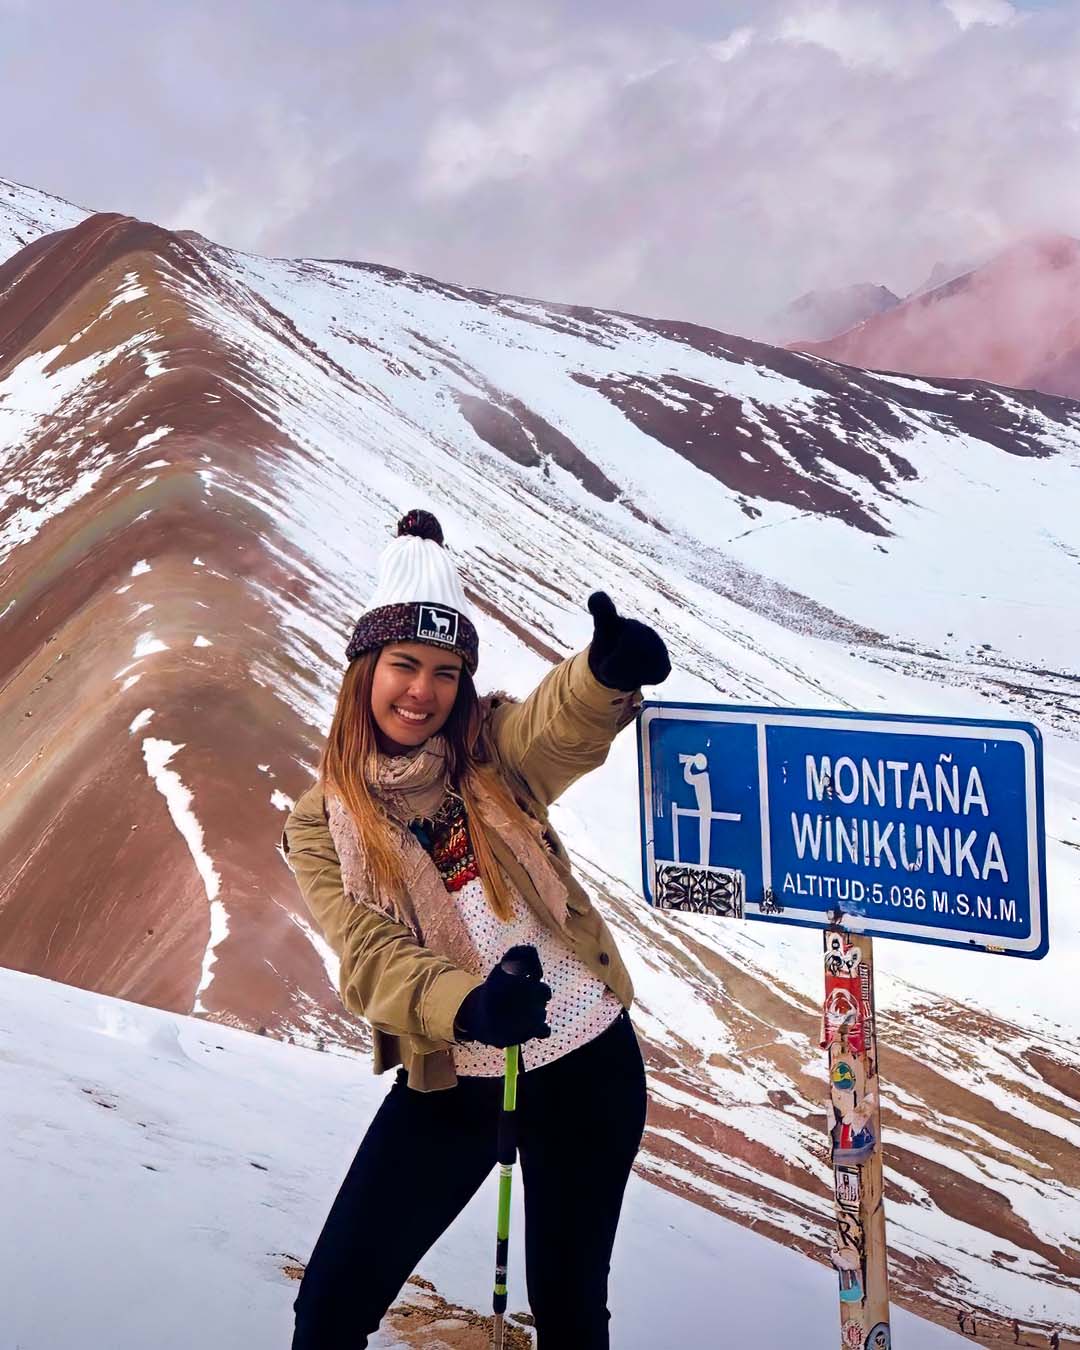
[842, 1017]
[852, 1143]
[843, 1078]
[850, 1235]
[845, 1004]
[848, 1187]
[848, 1264]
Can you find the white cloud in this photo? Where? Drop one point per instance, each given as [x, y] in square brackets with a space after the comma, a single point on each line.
[534, 130]
[733, 45]
[968, 12]
[667, 160]
[866, 34]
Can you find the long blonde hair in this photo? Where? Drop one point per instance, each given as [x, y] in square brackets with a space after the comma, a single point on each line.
[352, 749]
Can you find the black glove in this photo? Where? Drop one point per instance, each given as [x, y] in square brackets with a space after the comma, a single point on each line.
[624, 654]
[510, 1006]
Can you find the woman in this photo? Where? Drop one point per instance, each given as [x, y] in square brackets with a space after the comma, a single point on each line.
[425, 854]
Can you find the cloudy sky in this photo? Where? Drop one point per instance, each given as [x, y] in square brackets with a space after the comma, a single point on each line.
[702, 159]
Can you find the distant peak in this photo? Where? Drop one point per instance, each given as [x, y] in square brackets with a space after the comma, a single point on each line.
[821, 314]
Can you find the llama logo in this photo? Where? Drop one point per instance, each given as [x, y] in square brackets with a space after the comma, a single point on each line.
[437, 624]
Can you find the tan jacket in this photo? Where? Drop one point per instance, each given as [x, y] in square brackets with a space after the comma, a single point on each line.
[408, 994]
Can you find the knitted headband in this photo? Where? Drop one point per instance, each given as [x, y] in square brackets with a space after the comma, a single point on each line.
[419, 596]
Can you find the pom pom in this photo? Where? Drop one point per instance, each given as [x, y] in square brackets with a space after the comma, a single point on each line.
[421, 525]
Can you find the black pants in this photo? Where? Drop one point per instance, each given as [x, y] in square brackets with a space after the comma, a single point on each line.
[580, 1122]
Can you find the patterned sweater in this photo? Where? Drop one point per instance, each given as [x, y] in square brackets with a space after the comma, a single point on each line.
[581, 1006]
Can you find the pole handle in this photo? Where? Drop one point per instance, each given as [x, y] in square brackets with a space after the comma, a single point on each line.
[522, 960]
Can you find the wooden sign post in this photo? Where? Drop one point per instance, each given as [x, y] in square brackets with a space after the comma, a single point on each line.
[849, 1036]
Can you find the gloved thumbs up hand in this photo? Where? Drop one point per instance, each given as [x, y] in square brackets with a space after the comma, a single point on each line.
[624, 653]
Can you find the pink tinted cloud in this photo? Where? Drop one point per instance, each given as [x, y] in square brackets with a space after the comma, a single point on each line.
[708, 162]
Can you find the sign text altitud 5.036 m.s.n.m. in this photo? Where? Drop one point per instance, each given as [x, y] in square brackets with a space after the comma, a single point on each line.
[919, 828]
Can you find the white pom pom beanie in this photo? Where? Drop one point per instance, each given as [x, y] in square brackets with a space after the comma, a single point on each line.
[418, 596]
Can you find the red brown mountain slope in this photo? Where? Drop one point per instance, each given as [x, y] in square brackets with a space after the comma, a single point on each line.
[1013, 321]
[97, 890]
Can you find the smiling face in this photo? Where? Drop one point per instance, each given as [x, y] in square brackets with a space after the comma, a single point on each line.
[413, 690]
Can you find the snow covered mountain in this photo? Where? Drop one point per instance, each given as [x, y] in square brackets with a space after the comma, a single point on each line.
[26, 214]
[201, 455]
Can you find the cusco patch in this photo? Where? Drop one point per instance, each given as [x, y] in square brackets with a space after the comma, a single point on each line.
[436, 624]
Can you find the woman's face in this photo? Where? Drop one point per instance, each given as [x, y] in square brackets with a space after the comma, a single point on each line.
[412, 693]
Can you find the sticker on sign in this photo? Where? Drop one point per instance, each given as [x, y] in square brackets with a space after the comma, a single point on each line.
[925, 829]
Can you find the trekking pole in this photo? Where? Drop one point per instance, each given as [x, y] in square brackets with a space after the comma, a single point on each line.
[507, 1150]
[507, 1156]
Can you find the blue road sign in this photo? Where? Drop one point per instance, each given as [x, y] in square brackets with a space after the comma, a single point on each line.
[925, 829]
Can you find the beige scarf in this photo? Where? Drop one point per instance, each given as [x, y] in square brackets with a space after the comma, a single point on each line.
[413, 788]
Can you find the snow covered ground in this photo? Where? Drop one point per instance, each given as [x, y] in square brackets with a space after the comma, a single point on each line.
[26, 213]
[160, 1171]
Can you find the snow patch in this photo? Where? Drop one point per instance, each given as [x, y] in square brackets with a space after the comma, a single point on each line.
[147, 645]
[130, 290]
[178, 797]
[327, 955]
[152, 438]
